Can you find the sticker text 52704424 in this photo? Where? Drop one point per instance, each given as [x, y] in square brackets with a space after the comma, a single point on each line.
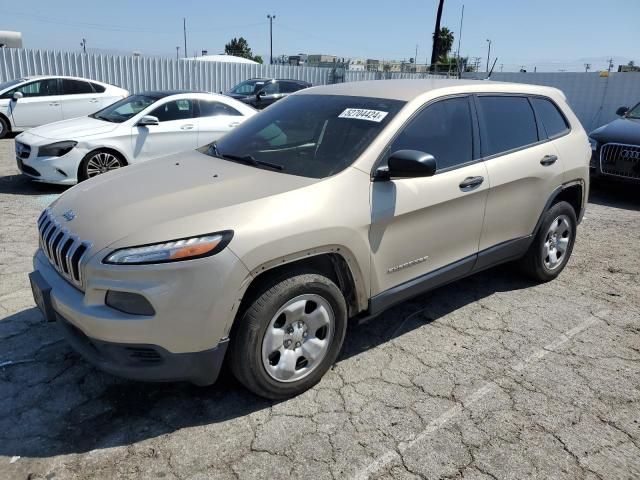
[363, 114]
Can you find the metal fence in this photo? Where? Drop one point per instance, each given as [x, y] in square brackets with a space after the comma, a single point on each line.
[138, 74]
[593, 98]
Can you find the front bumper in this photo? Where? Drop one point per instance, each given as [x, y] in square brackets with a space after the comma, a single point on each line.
[184, 339]
[56, 170]
[144, 362]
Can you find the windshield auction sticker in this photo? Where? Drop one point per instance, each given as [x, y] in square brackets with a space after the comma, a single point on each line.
[363, 114]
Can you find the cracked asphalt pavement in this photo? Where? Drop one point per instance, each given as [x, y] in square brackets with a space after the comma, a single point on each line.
[490, 377]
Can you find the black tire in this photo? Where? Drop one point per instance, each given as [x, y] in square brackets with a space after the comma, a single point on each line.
[4, 128]
[246, 343]
[83, 170]
[535, 263]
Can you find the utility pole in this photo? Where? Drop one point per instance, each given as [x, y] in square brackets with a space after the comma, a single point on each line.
[488, 53]
[184, 30]
[459, 40]
[587, 67]
[436, 37]
[610, 65]
[83, 44]
[501, 67]
[271, 19]
[178, 52]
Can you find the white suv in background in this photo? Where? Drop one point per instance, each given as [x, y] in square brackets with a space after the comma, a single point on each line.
[137, 128]
[33, 101]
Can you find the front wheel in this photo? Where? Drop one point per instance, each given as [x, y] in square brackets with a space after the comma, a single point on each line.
[289, 335]
[99, 162]
[4, 128]
[552, 246]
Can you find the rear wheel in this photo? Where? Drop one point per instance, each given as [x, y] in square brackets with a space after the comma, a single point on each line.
[289, 335]
[4, 128]
[99, 162]
[552, 245]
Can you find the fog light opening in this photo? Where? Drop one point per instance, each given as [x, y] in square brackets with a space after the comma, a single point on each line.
[128, 302]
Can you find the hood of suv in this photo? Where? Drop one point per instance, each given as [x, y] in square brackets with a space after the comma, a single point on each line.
[177, 196]
[74, 128]
[622, 130]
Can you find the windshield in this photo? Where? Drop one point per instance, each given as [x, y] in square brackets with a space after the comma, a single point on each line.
[634, 112]
[124, 109]
[10, 83]
[308, 135]
[248, 87]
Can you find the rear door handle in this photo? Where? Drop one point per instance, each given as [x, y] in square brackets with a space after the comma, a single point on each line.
[234, 124]
[186, 127]
[470, 183]
[54, 104]
[94, 100]
[548, 160]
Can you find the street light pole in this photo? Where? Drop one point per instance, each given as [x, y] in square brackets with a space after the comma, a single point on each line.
[178, 52]
[488, 54]
[271, 19]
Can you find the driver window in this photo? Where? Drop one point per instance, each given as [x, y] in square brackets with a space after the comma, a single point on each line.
[271, 88]
[444, 130]
[41, 88]
[175, 110]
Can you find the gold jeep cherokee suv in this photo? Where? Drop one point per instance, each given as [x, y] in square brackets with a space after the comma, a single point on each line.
[337, 202]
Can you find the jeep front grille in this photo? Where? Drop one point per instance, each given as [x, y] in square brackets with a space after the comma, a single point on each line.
[64, 250]
[620, 160]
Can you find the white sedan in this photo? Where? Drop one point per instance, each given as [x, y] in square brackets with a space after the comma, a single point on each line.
[138, 128]
[33, 101]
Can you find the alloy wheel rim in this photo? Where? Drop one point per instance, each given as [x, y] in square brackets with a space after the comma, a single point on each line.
[298, 338]
[102, 162]
[556, 244]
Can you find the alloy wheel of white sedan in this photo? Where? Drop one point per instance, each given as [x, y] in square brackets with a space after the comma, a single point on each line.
[102, 162]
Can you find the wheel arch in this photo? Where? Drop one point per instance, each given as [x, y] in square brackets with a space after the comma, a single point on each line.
[334, 261]
[112, 150]
[571, 192]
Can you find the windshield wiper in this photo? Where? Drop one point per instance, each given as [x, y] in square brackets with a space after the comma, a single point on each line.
[99, 117]
[248, 159]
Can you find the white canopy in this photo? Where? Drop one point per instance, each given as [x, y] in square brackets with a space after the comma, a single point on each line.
[221, 58]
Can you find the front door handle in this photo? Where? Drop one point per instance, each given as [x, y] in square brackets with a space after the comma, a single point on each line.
[54, 104]
[470, 183]
[234, 124]
[187, 127]
[94, 100]
[548, 160]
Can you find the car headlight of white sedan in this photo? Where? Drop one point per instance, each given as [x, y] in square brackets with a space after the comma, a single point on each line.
[57, 149]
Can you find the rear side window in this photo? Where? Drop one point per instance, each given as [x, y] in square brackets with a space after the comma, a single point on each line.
[213, 109]
[507, 123]
[75, 87]
[553, 122]
[98, 88]
[290, 87]
[444, 130]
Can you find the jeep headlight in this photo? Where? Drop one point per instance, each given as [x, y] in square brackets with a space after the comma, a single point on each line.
[172, 251]
[57, 149]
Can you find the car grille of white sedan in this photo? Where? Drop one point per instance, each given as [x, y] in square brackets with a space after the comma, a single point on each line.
[64, 250]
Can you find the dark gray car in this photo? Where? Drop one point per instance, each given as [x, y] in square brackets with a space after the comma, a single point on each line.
[262, 92]
[616, 147]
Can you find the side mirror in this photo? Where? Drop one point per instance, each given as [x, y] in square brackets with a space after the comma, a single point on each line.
[148, 120]
[261, 93]
[622, 111]
[408, 164]
[17, 96]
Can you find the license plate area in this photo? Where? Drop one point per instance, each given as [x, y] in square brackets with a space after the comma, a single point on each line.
[42, 296]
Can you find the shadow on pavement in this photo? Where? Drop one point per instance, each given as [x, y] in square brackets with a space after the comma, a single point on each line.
[56, 403]
[23, 185]
[615, 194]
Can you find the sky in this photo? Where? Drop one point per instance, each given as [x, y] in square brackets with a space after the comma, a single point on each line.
[549, 35]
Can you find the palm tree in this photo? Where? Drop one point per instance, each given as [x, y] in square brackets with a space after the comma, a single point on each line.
[445, 44]
[436, 38]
